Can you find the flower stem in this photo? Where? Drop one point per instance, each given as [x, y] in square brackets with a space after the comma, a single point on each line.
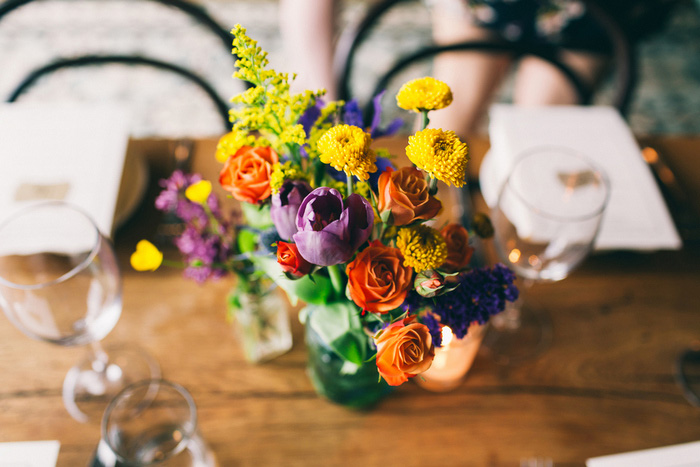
[432, 185]
[337, 280]
[349, 183]
[425, 120]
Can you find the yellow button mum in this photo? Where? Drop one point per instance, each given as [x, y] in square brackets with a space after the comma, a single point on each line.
[440, 153]
[146, 257]
[346, 148]
[198, 192]
[423, 247]
[424, 94]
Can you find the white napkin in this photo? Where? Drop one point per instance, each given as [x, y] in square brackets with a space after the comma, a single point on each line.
[29, 454]
[636, 217]
[73, 152]
[681, 455]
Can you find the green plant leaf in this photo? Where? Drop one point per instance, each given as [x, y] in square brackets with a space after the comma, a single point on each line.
[257, 216]
[340, 326]
[316, 291]
[247, 241]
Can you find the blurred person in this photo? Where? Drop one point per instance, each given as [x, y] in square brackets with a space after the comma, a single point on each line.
[308, 28]
[475, 77]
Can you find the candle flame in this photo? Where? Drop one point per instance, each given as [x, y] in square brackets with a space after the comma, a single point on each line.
[446, 336]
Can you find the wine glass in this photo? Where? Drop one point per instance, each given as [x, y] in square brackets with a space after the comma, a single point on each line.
[60, 283]
[152, 422]
[546, 220]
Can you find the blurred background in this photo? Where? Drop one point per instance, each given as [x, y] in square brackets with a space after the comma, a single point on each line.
[665, 101]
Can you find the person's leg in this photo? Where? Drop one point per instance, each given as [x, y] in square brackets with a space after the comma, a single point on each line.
[539, 83]
[473, 76]
[307, 28]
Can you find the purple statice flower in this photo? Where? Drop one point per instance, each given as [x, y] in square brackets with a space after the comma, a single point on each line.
[352, 114]
[310, 115]
[481, 293]
[375, 130]
[172, 199]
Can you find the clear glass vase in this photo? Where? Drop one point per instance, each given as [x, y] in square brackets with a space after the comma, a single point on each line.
[339, 380]
[261, 323]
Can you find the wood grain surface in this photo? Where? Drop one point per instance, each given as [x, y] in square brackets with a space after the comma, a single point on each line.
[605, 385]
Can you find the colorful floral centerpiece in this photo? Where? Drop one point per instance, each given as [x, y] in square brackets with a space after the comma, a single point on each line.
[330, 220]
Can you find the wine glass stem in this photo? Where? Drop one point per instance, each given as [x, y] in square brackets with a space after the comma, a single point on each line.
[510, 318]
[98, 357]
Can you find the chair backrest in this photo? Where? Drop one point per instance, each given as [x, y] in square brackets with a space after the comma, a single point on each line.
[195, 12]
[351, 40]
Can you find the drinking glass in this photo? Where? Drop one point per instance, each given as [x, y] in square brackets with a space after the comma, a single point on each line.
[60, 283]
[546, 220]
[152, 422]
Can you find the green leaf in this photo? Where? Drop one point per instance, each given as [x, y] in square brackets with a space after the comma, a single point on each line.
[247, 240]
[257, 216]
[340, 326]
[316, 291]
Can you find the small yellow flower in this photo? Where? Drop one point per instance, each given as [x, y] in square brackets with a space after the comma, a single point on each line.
[423, 247]
[146, 257]
[424, 94]
[440, 153]
[346, 148]
[199, 192]
[283, 172]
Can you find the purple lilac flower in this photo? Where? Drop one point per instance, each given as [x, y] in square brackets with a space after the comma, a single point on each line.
[204, 254]
[482, 292]
[330, 231]
[285, 205]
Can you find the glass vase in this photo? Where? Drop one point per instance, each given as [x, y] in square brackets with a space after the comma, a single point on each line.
[261, 323]
[453, 360]
[336, 378]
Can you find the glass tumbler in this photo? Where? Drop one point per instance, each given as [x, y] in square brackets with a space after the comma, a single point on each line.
[152, 422]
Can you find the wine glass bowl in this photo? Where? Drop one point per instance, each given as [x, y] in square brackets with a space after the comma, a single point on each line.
[546, 220]
[60, 283]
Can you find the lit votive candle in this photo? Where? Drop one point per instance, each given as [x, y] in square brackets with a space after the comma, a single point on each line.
[452, 360]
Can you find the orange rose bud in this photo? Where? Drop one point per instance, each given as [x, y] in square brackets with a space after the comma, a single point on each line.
[404, 349]
[291, 261]
[377, 279]
[246, 174]
[459, 253]
[404, 192]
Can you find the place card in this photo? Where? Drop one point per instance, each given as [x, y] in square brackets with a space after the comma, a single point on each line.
[636, 217]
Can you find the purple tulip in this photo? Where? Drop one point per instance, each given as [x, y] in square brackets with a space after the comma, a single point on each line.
[329, 231]
[285, 205]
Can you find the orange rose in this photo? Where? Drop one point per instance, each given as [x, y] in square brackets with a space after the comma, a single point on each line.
[404, 349]
[291, 261]
[404, 192]
[459, 253]
[377, 279]
[246, 174]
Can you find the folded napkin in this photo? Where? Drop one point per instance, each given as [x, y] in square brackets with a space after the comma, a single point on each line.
[71, 152]
[636, 217]
[29, 454]
[680, 455]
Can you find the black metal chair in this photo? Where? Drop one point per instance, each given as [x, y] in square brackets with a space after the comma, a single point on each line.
[623, 55]
[196, 12]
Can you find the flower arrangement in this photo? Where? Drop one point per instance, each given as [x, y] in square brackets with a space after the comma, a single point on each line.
[330, 220]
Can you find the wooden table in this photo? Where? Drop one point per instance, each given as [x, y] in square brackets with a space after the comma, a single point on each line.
[604, 386]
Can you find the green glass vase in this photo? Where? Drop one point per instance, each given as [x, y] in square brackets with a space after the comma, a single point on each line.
[340, 364]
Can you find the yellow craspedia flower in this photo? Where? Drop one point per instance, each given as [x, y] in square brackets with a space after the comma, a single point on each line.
[346, 148]
[146, 257]
[199, 192]
[424, 94]
[423, 247]
[440, 153]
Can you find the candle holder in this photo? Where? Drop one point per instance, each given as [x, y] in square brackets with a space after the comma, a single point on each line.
[452, 360]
